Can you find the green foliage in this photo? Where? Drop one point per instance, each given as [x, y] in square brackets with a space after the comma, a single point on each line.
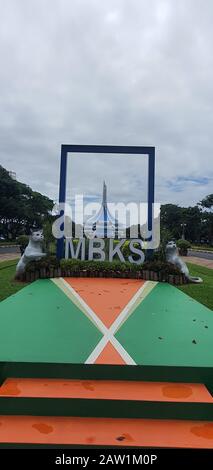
[98, 266]
[165, 237]
[50, 262]
[196, 222]
[184, 244]
[20, 207]
[207, 202]
[192, 217]
[207, 225]
[23, 240]
[160, 267]
[76, 265]
[70, 264]
[171, 218]
[125, 249]
[8, 283]
[49, 240]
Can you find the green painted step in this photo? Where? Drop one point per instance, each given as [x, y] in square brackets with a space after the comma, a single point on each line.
[40, 324]
[169, 328]
[105, 408]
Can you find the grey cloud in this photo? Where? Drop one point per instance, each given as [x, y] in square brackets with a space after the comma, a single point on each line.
[125, 72]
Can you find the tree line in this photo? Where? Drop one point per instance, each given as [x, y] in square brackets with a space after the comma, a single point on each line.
[21, 208]
[194, 224]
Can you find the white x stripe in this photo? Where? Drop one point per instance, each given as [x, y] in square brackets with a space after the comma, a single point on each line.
[108, 333]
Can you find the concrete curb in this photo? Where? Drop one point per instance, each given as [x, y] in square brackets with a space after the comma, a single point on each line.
[201, 251]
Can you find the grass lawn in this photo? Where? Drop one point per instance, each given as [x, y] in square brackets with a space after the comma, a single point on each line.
[202, 247]
[7, 284]
[201, 292]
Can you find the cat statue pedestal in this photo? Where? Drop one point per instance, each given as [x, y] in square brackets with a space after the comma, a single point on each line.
[32, 252]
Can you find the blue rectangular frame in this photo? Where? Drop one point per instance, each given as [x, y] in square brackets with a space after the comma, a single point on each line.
[120, 149]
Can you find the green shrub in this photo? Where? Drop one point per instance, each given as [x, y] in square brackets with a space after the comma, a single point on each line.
[183, 246]
[165, 237]
[159, 266]
[50, 262]
[76, 265]
[125, 249]
[23, 240]
[97, 266]
[70, 264]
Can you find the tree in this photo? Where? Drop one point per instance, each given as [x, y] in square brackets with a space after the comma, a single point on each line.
[207, 217]
[174, 217]
[171, 217]
[207, 202]
[20, 206]
[192, 217]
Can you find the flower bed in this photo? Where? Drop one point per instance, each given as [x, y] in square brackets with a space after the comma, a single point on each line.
[50, 267]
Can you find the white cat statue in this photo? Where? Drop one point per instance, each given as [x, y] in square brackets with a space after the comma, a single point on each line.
[173, 257]
[32, 252]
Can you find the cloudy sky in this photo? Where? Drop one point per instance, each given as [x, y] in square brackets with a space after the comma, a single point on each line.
[119, 72]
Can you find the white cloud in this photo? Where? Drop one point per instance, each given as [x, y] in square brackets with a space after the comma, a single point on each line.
[125, 72]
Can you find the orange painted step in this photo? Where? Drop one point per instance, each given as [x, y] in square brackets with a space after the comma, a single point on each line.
[106, 389]
[107, 300]
[106, 431]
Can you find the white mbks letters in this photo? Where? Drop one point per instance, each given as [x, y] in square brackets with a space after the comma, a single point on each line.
[99, 249]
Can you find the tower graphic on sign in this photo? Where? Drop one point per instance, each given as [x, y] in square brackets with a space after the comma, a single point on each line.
[103, 224]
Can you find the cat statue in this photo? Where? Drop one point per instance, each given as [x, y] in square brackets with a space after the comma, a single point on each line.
[32, 252]
[173, 257]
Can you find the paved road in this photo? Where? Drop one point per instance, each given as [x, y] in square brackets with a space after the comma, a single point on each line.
[9, 249]
[8, 253]
[200, 254]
